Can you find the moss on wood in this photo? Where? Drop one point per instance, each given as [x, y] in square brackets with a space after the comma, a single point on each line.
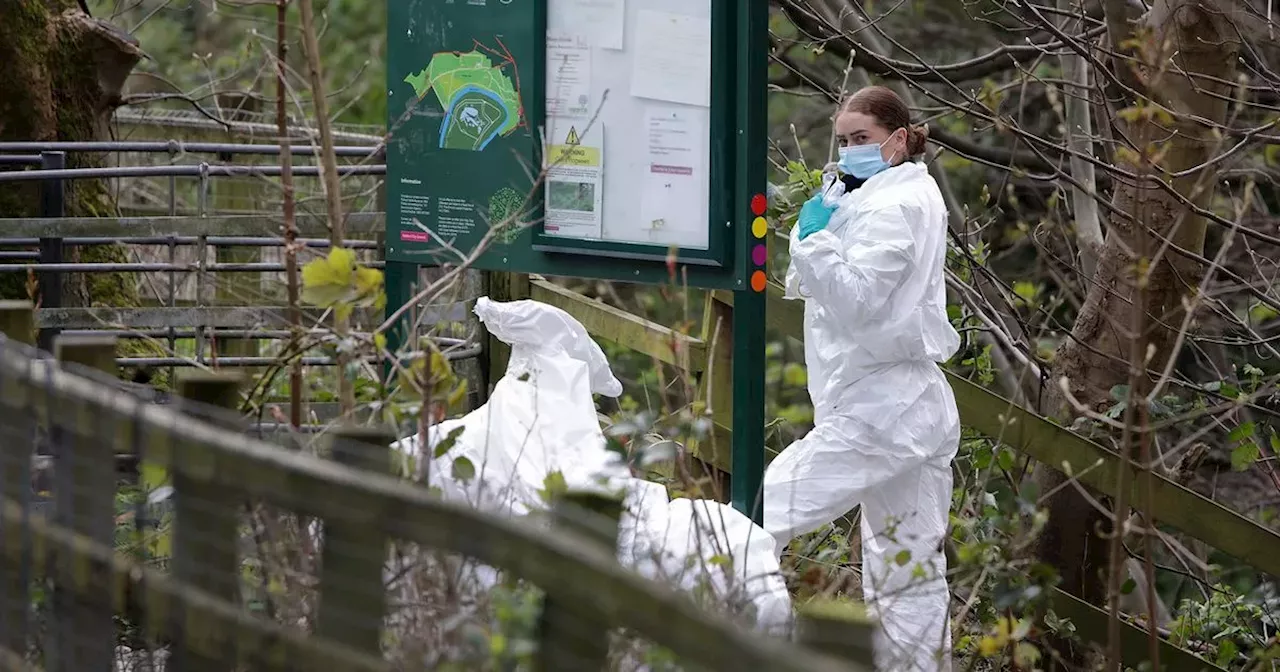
[50, 91]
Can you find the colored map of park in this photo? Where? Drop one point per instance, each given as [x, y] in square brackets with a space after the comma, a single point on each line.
[480, 100]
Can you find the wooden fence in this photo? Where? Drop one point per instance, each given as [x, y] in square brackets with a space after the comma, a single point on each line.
[86, 422]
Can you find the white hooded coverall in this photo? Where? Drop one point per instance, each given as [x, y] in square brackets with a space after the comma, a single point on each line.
[886, 426]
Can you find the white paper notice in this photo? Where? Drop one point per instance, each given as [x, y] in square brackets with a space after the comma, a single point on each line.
[672, 59]
[601, 21]
[575, 172]
[568, 76]
[670, 212]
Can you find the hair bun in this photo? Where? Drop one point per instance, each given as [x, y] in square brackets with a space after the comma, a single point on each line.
[917, 136]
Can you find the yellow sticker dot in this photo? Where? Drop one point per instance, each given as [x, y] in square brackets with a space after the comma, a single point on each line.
[759, 227]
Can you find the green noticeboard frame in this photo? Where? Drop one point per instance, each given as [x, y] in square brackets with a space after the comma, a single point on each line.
[449, 175]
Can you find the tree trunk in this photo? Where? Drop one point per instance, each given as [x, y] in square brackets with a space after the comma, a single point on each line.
[62, 76]
[1179, 36]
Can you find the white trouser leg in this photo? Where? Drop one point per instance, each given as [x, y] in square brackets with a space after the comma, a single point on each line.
[822, 476]
[911, 599]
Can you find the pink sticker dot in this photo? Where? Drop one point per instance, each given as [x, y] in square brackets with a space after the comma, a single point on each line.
[760, 255]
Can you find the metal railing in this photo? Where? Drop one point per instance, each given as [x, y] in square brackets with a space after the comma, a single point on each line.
[183, 246]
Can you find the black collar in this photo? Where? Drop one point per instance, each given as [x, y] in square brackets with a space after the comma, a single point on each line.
[850, 182]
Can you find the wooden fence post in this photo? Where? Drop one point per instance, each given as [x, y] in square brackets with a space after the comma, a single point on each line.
[206, 518]
[568, 640]
[710, 457]
[838, 628]
[501, 287]
[352, 593]
[84, 501]
[17, 322]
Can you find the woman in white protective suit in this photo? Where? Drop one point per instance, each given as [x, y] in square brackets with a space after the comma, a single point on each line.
[869, 266]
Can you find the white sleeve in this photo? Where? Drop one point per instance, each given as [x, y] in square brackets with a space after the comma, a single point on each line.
[854, 280]
[832, 196]
[794, 289]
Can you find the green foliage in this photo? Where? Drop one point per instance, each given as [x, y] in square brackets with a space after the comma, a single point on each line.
[553, 488]
[339, 282]
[1226, 624]
[505, 638]
[205, 47]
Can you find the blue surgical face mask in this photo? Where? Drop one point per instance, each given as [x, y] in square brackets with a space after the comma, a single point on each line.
[863, 161]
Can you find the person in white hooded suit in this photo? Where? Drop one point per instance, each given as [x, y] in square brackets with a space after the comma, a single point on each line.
[869, 266]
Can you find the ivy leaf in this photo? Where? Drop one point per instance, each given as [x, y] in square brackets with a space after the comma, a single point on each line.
[456, 396]
[982, 456]
[1244, 455]
[1241, 432]
[463, 469]
[1005, 459]
[342, 309]
[367, 280]
[1261, 312]
[152, 475]
[1227, 652]
[1026, 292]
[432, 376]
[448, 442]
[795, 375]
[553, 487]
[333, 269]
[337, 281]
[1026, 655]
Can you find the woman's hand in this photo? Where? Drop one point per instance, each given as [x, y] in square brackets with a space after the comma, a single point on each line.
[814, 216]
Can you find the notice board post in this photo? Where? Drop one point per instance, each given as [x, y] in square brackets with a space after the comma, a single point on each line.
[747, 458]
[608, 139]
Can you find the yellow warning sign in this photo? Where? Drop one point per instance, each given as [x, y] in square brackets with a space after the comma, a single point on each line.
[574, 155]
[577, 150]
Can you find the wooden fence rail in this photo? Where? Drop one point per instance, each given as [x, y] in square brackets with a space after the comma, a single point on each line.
[214, 469]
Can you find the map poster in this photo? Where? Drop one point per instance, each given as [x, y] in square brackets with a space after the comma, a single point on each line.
[460, 140]
[574, 187]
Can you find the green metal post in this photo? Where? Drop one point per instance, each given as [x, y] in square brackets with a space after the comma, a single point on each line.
[748, 403]
[398, 278]
[749, 302]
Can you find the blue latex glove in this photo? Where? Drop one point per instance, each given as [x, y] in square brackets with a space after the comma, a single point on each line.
[814, 215]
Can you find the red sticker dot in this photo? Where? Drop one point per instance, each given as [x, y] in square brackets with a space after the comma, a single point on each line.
[759, 204]
[760, 254]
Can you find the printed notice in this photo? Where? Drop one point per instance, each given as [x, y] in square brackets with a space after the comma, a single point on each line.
[601, 21]
[568, 77]
[575, 167]
[454, 217]
[670, 212]
[414, 210]
[672, 59]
